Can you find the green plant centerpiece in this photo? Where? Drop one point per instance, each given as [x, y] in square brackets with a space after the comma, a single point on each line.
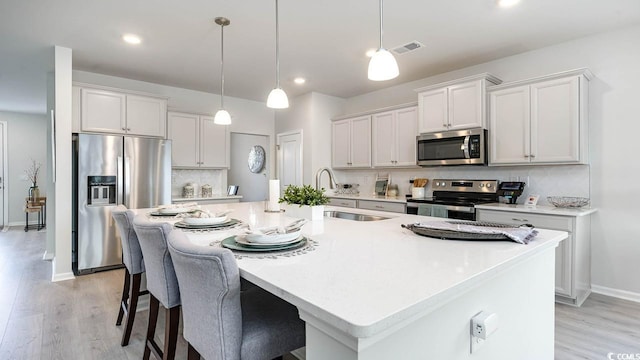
[303, 195]
[309, 200]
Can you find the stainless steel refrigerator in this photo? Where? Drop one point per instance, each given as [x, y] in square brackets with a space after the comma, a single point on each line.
[108, 171]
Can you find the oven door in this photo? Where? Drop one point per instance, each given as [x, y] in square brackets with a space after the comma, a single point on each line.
[442, 211]
[464, 147]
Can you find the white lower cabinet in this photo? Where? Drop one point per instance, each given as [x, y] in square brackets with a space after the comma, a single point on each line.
[351, 203]
[382, 206]
[197, 142]
[573, 255]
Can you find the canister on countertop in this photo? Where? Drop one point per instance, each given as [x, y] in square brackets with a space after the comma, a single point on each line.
[187, 191]
[207, 191]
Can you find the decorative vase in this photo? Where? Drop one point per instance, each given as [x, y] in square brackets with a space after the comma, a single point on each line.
[305, 211]
[34, 193]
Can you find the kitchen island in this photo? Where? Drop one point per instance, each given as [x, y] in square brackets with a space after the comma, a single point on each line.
[372, 290]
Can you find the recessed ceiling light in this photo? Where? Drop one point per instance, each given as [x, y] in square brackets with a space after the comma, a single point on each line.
[507, 3]
[131, 39]
[299, 80]
[370, 52]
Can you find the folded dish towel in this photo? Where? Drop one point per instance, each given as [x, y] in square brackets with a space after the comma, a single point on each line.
[521, 234]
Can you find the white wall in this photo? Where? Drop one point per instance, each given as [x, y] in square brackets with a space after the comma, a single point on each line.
[311, 112]
[614, 107]
[26, 140]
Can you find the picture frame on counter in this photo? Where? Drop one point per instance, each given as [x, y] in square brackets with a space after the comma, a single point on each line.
[232, 190]
[532, 200]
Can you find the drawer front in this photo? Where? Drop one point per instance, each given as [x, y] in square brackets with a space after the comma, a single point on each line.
[563, 223]
[382, 206]
[342, 202]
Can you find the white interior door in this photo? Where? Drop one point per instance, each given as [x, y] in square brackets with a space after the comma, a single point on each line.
[290, 163]
[252, 186]
[3, 146]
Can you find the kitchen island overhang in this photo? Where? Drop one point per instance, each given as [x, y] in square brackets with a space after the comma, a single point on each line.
[372, 289]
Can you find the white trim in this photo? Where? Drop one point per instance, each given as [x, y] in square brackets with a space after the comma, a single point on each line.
[5, 174]
[62, 276]
[375, 111]
[617, 293]
[47, 256]
[300, 353]
[280, 154]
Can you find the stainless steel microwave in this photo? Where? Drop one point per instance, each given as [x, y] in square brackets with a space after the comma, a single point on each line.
[461, 147]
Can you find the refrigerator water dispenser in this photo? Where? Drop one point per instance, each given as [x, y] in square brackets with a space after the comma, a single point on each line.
[102, 190]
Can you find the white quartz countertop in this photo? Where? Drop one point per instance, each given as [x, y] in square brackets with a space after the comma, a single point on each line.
[396, 199]
[548, 210]
[214, 197]
[366, 278]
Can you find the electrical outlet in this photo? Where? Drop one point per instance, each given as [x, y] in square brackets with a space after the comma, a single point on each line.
[482, 326]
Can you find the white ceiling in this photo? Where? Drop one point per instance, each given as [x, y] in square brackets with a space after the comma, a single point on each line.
[324, 41]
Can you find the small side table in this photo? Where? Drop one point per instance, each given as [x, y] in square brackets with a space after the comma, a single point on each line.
[38, 206]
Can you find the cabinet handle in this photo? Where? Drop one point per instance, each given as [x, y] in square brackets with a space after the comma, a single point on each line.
[532, 156]
[379, 207]
[526, 156]
[124, 129]
[444, 125]
[516, 219]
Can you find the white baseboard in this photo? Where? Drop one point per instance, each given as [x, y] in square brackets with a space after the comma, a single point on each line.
[621, 294]
[47, 256]
[300, 353]
[62, 276]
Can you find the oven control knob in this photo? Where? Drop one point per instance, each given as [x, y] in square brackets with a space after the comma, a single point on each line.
[443, 184]
[482, 185]
[488, 186]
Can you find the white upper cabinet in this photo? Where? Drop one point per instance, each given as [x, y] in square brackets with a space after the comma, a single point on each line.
[394, 137]
[351, 143]
[454, 105]
[103, 111]
[146, 115]
[540, 121]
[197, 142]
[115, 112]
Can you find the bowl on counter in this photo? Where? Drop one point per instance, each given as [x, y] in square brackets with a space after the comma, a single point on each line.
[568, 201]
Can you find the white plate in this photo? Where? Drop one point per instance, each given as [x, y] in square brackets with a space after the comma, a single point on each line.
[275, 239]
[174, 211]
[204, 221]
[242, 240]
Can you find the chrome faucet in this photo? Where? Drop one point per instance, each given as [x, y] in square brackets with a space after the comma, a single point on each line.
[332, 181]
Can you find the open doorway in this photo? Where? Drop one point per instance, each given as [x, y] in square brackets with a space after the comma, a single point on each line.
[253, 182]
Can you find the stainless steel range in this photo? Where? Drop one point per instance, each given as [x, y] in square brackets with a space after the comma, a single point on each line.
[455, 199]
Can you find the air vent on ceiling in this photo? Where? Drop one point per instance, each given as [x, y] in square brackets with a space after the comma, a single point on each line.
[403, 49]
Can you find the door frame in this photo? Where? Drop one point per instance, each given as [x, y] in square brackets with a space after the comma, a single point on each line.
[280, 155]
[5, 172]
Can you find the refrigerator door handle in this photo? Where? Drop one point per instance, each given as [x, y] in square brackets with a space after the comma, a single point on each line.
[127, 182]
[119, 199]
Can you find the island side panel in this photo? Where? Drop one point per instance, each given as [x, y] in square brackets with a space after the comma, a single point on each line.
[522, 296]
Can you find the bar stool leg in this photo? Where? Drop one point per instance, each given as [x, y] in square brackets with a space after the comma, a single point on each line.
[154, 305]
[171, 332]
[125, 296]
[134, 293]
[192, 353]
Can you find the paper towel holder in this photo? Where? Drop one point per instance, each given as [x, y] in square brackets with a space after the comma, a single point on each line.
[232, 190]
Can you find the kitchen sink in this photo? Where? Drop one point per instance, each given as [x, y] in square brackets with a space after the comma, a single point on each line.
[353, 216]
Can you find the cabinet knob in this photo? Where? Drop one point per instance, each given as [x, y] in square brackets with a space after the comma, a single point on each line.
[124, 129]
[523, 220]
[532, 156]
[526, 156]
[444, 125]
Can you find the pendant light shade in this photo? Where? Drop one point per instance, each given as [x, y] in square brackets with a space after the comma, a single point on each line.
[383, 65]
[222, 116]
[277, 97]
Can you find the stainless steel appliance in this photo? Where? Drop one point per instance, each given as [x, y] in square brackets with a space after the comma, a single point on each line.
[455, 199]
[461, 147]
[108, 171]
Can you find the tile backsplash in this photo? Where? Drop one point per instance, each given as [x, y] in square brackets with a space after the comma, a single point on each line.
[215, 177]
[561, 180]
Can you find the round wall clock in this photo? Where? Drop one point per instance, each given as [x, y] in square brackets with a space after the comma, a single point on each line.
[256, 159]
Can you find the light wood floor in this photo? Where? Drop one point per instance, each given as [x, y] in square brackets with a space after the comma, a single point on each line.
[76, 319]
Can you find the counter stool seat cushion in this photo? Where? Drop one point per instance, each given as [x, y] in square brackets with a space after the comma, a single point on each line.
[222, 322]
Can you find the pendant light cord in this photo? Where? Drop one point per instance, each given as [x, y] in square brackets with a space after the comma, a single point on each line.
[222, 67]
[277, 49]
[381, 28]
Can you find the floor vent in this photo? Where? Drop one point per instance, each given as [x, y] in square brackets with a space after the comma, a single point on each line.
[403, 49]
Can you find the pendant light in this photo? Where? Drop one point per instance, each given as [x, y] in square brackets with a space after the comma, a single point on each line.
[277, 97]
[383, 65]
[222, 116]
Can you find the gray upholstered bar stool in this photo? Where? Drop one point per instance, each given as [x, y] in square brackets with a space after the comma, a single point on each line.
[162, 284]
[134, 267]
[220, 321]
